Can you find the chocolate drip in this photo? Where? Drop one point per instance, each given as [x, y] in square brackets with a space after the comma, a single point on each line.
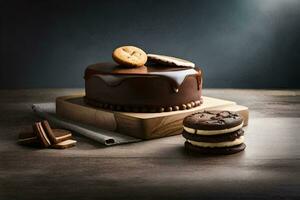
[177, 77]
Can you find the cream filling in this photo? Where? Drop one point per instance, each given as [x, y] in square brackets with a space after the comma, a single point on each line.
[63, 136]
[237, 141]
[212, 132]
[67, 142]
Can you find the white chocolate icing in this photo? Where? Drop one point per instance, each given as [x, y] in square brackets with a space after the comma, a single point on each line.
[237, 141]
[212, 132]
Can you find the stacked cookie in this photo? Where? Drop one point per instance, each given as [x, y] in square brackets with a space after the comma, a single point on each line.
[214, 132]
[44, 136]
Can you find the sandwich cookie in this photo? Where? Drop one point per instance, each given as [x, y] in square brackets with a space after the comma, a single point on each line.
[214, 151]
[41, 134]
[168, 60]
[45, 136]
[130, 56]
[56, 135]
[30, 138]
[214, 132]
[61, 135]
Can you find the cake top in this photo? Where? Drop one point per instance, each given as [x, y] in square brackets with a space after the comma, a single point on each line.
[113, 74]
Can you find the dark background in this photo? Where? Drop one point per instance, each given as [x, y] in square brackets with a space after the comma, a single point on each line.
[239, 44]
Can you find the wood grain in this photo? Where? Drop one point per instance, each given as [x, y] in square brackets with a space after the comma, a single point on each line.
[269, 168]
[139, 125]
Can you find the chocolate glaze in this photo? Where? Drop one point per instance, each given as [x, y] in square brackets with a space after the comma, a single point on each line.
[113, 74]
[152, 88]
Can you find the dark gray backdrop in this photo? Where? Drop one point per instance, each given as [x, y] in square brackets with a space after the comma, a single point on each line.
[238, 43]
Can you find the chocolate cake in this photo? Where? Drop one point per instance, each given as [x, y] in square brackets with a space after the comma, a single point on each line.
[151, 88]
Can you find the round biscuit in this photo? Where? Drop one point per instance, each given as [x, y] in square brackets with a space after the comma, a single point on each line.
[130, 56]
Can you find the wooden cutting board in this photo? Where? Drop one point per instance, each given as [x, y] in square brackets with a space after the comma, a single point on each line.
[140, 125]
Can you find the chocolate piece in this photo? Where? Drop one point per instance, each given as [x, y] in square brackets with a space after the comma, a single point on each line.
[156, 87]
[161, 109]
[214, 151]
[193, 104]
[175, 108]
[188, 106]
[213, 120]
[213, 138]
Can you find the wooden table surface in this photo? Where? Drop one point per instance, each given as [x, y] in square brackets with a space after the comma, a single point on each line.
[269, 168]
